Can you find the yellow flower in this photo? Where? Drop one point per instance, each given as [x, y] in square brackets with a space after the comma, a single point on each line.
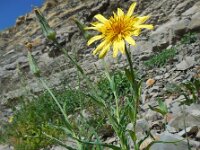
[116, 30]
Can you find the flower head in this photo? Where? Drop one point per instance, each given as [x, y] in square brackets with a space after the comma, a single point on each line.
[116, 30]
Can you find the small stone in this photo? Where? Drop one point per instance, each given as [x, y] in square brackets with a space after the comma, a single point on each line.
[190, 131]
[198, 135]
[6, 147]
[159, 77]
[195, 24]
[86, 114]
[187, 63]
[111, 140]
[151, 115]
[170, 129]
[166, 75]
[154, 89]
[168, 137]
[150, 82]
[141, 126]
[190, 115]
[144, 57]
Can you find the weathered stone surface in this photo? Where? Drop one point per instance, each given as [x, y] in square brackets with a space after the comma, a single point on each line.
[187, 63]
[167, 137]
[190, 114]
[169, 15]
[5, 147]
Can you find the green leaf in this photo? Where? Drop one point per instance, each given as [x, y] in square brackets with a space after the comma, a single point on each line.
[133, 135]
[114, 123]
[66, 130]
[58, 141]
[98, 101]
[129, 75]
[131, 113]
[162, 108]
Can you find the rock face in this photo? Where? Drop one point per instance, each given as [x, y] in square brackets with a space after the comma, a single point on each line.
[172, 19]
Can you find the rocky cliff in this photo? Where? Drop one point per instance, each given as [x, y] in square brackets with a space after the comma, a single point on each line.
[172, 19]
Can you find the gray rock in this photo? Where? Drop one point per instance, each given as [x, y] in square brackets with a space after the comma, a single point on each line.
[141, 126]
[159, 77]
[167, 75]
[190, 131]
[195, 24]
[167, 137]
[191, 115]
[154, 89]
[198, 135]
[187, 63]
[68, 142]
[5, 147]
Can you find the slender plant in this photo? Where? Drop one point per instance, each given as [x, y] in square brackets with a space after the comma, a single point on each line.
[115, 32]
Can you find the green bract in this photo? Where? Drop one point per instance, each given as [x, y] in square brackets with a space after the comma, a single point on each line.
[33, 65]
[46, 29]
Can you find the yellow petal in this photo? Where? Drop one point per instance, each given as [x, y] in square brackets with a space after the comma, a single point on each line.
[131, 9]
[118, 45]
[99, 47]
[120, 12]
[146, 26]
[96, 26]
[104, 51]
[142, 19]
[90, 28]
[114, 15]
[130, 40]
[115, 49]
[136, 32]
[101, 18]
[93, 39]
[122, 46]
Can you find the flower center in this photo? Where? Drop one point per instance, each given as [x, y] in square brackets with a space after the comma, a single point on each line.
[118, 28]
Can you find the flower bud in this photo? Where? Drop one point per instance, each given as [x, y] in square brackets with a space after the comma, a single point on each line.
[46, 29]
[82, 27]
[33, 65]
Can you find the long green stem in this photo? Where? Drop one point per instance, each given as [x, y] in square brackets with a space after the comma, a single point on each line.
[89, 83]
[73, 62]
[135, 90]
[117, 106]
[69, 127]
[57, 103]
[128, 55]
[113, 88]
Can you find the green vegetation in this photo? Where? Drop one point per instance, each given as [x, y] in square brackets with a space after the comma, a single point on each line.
[38, 116]
[191, 88]
[166, 55]
[161, 59]
[189, 38]
[42, 115]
